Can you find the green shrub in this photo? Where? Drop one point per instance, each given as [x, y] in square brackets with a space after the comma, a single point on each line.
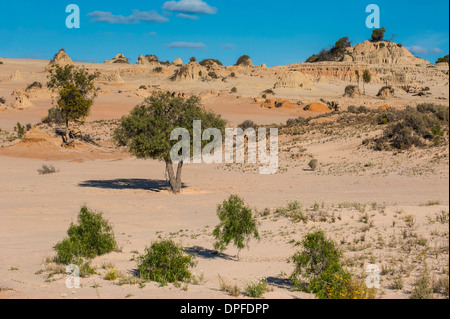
[213, 75]
[317, 264]
[313, 164]
[413, 127]
[234, 90]
[256, 290]
[2, 100]
[444, 59]
[55, 116]
[248, 124]
[93, 236]
[233, 75]
[385, 118]
[20, 130]
[318, 270]
[210, 62]
[422, 286]
[165, 262]
[237, 224]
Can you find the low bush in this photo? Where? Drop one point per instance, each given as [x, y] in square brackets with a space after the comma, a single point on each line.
[92, 236]
[2, 100]
[313, 164]
[421, 126]
[210, 62]
[20, 130]
[165, 262]
[248, 124]
[234, 90]
[213, 75]
[318, 270]
[256, 290]
[55, 116]
[46, 170]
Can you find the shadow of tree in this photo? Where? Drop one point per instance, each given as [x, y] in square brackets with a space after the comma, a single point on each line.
[132, 183]
[280, 282]
[207, 253]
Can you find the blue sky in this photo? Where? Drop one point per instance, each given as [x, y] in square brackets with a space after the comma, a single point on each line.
[271, 32]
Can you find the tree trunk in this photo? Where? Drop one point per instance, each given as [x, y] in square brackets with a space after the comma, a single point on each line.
[175, 181]
[67, 131]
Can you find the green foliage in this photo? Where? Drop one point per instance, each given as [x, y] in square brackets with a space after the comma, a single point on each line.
[2, 100]
[336, 53]
[61, 77]
[243, 60]
[234, 90]
[318, 267]
[366, 76]
[443, 60]
[422, 286]
[20, 130]
[193, 59]
[146, 131]
[72, 103]
[210, 62]
[93, 236]
[165, 262]
[237, 224]
[213, 75]
[378, 34]
[413, 127]
[55, 116]
[256, 290]
[76, 91]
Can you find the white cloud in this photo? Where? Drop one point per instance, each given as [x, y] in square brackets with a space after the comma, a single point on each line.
[187, 45]
[436, 51]
[228, 46]
[152, 34]
[187, 16]
[420, 50]
[136, 17]
[417, 49]
[189, 6]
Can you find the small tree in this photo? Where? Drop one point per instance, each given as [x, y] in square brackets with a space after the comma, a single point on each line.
[318, 264]
[378, 34]
[146, 131]
[76, 92]
[164, 262]
[366, 79]
[193, 59]
[93, 236]
[236, 225]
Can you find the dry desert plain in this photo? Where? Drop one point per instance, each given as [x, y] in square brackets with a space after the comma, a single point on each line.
[360, 197]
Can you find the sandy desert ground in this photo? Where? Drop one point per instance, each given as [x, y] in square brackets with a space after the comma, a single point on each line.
[358, 196]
